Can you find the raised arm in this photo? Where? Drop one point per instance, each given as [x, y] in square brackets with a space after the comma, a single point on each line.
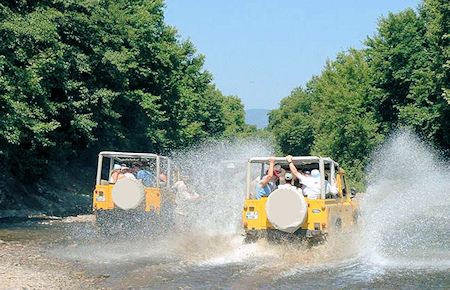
[269, 175]
[293, 168]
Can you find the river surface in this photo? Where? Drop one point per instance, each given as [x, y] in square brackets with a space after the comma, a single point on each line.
[172, 260]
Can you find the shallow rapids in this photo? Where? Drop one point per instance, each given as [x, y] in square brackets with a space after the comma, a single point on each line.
[222, 261]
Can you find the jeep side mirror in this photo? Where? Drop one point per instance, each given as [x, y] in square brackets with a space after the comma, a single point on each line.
[353, 191]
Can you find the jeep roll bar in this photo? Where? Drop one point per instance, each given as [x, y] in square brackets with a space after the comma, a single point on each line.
[119, 156]
[300, 160]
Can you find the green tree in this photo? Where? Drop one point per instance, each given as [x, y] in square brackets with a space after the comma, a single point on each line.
[436, 15]
[409, 58]
[400, 80]
[292, 123]
[345, 122]
[80, 76]
[234, 118]
[333, 116]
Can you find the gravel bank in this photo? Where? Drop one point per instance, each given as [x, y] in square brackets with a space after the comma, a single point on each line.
[25, 265]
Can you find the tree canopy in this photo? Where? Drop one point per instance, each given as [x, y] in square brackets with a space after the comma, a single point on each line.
[77, 77]
[401, 79]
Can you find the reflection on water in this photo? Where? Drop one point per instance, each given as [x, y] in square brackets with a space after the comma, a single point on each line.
[403, 241]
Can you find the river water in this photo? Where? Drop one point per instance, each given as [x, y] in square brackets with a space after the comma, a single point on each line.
[403, 241]
[223, 261]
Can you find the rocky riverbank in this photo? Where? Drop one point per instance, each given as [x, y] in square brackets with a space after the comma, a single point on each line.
[24, 264]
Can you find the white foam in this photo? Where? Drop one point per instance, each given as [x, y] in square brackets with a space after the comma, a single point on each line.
[217, 172]
[405, 205]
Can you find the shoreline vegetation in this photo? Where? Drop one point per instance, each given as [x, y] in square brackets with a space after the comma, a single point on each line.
[45, 198]
[80, 77]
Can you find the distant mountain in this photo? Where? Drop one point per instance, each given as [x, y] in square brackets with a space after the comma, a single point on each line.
[257, 117]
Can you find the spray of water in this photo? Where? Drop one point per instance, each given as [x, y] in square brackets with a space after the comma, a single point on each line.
[217, 172]
[406, 207]
[405, 219]
[210, 231]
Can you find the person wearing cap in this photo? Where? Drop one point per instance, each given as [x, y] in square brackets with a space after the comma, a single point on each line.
[125, 173]
[267, 184]
[114, 174]
[309, 179]
[286, 183]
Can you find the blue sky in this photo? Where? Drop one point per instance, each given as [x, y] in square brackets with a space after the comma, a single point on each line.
[260, 50]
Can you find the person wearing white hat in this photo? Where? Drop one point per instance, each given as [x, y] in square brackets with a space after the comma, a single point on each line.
[114, 174]
[309, 179]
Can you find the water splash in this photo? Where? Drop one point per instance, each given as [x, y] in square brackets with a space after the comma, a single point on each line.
[217, 172]
[405, 215]
[406, 207]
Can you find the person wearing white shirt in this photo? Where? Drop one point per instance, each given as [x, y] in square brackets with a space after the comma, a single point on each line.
[330, 189]
[184, 195]
[125, 173]
[288, 183]
[309, 179]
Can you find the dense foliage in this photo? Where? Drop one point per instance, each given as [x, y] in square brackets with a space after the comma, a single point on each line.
[77, 77]
[401, 79]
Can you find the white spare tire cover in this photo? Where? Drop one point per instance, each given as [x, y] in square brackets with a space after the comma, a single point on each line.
[128, 193]
[286, 210]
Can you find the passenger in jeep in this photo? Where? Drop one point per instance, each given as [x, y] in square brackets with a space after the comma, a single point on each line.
[143, 176]
[330, 191]
[114, 174]
[309, 179]
[125, 173]
[286, 183]
[267, 184]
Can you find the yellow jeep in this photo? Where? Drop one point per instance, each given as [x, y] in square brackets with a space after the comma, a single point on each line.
[288, 214]
[130, 201]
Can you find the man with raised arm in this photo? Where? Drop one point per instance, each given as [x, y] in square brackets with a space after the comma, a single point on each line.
[267, 184]
[311, 184]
